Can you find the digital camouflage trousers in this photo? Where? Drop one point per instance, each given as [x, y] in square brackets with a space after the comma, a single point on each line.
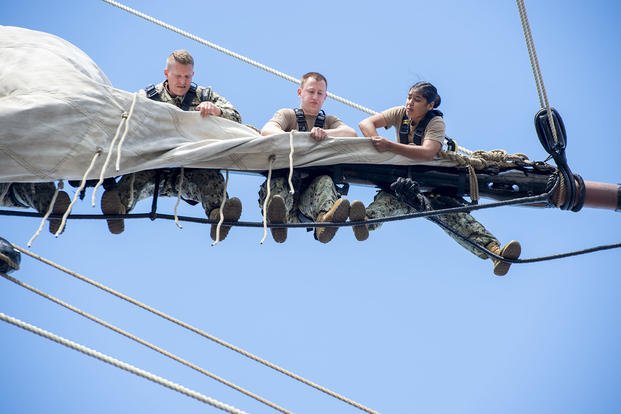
[198, 185]
[387, 205]
[311, 199]
[33, 195]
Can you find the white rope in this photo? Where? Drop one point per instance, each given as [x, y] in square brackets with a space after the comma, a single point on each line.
[78, 191]
[221, 220]
[124, 117]
[45, 216]
[179, 184]
[534, 62]
[120, 364]
[231, 53]
[122, 140]
[143, 342]
[197, 331]
[291, 189]
[268, 184]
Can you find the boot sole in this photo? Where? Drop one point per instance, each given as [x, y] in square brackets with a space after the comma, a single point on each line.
[277, 214]
[232, 212]
[111, 204]
[339, 215]
[511, 251]
[60, 207]
[357, 212]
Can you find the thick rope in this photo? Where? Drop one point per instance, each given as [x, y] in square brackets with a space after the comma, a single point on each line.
[268, 185]
[5, 191]
[534, 62]
[122, 140]
[221, 220]
[197, 331]
[480, 160]
[46, 215]
[474, 184]
[179, 184]
[231, 53]
[143, 342]
[291, 189]
[120, 364]
[124, 119]
[63, 222]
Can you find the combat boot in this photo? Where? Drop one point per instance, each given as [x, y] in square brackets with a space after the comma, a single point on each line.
[357, 212]
[511, 250]
[231, 211]
[61, 205]
[337, 214]
[277, 214]
[111, 204]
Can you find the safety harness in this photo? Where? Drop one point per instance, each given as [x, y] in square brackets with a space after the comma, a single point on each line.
[320, 121]
[419, 132]
[205, 95]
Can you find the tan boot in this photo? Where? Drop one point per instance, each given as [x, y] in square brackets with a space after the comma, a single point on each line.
[338, 213]
[511, 250]
[60, 207]
[232, 212]
[277, 214]
[357, 212]
[111, 204]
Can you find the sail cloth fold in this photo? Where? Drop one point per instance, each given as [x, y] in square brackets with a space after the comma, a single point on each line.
[57, 109]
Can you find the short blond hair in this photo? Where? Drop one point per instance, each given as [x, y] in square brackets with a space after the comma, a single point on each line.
[315, 75]
[181, 56]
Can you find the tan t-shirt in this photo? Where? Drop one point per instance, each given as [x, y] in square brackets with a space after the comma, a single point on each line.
[435, 128]
[285, 119]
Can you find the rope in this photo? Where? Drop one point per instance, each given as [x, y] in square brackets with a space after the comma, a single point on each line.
[196, 330]
[180, 183]
[78, 191]
[122, 140]
[120, 364]
[534, 62]
[46, 215]
[268, 185]
[474, 184]
[291, 189]
[142, 342]
[221, 220]
[231, 53]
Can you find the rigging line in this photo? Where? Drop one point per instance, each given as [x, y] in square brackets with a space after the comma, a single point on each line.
[200, 220]
[231, 53]
[143, 342]
[195, 330]
[533, 259]
[534, 62]
[120, 364]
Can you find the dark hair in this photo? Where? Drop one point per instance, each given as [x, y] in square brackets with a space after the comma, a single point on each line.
[429, 92]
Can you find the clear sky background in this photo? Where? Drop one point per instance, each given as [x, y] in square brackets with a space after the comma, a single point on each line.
[405, 322]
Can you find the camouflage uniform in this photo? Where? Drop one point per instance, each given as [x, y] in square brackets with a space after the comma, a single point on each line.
[387, 205]
[310, 198]
[199, 185]
[34, 195]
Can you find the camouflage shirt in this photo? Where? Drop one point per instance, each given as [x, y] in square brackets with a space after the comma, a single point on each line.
[202, 94]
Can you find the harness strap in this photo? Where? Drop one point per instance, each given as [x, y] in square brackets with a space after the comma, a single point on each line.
[419, 132]
[320, 121]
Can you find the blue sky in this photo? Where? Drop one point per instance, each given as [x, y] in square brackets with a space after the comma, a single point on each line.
[407, 321]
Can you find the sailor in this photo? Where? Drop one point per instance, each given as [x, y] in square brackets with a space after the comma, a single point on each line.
[198, 185]
[35, 195]
[316, 197]
[420, 134]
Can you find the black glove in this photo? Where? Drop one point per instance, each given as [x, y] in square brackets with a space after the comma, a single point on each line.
[408, 191]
